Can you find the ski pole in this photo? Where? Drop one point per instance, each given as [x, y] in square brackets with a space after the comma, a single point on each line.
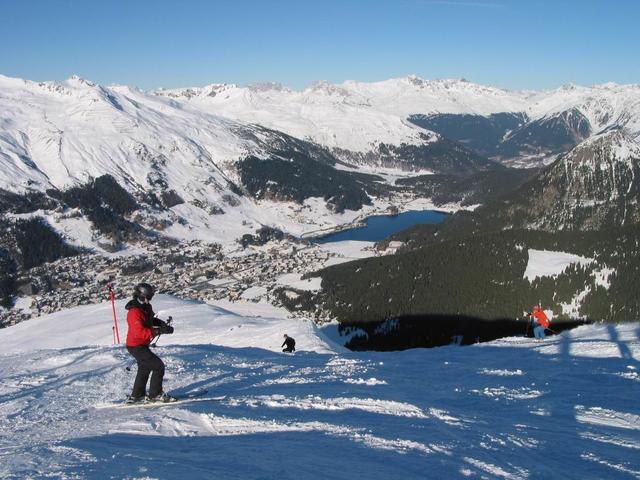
[115, 319]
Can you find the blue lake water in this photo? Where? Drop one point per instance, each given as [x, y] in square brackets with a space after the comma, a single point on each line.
[380, 227]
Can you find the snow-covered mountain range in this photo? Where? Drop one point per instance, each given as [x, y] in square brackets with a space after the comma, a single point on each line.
[354, 116]
[208, 160]
[334, 106]
[58, 133]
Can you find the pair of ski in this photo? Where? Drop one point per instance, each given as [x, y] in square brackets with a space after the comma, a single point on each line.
[198, 396]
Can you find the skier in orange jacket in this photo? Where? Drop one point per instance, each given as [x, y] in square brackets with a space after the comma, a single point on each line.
[540, 322]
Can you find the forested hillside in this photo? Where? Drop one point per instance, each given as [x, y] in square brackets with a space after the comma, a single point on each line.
[481, 278]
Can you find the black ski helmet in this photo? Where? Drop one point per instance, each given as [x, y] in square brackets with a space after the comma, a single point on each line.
[143, 290]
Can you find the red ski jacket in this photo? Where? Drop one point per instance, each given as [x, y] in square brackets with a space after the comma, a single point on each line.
[541, 317]
[138, 333]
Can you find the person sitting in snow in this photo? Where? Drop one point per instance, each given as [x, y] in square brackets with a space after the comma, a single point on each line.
[143, 326]
[290, 344]
[540, 322]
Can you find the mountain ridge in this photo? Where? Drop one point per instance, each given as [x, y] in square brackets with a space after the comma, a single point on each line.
[186, 147]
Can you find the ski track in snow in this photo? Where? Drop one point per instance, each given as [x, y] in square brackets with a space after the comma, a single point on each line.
[510, 409]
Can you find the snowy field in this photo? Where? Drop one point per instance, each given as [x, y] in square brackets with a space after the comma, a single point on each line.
[545, 263]
[566, 407]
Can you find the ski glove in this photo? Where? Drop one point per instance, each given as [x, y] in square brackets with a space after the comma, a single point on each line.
[163, 328]
[160, 326]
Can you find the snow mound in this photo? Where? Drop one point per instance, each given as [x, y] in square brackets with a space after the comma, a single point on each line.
[235, 325]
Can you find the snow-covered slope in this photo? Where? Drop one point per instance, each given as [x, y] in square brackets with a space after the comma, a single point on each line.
[512, 409]
[603, 105]
[330, 115]
[235, 325]
[59, 134]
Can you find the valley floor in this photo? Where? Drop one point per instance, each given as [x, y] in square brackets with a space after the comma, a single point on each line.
[565, 407]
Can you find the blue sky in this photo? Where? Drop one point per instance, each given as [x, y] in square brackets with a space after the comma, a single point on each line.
[508, 43]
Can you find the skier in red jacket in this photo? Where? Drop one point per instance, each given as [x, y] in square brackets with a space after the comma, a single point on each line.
[143, 326]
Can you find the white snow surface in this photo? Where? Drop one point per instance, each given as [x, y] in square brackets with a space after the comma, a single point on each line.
[516, 408]
[546, 263]
[295, 280]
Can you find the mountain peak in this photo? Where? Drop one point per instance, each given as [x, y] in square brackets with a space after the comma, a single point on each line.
[268, 86]
[78, 81]
[322, 86]
[210, 90]
[416, 80]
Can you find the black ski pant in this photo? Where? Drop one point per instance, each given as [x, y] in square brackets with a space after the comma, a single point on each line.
[148, 363]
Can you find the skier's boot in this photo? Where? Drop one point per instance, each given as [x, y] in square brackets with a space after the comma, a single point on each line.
[131, 399]
[162, 398]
